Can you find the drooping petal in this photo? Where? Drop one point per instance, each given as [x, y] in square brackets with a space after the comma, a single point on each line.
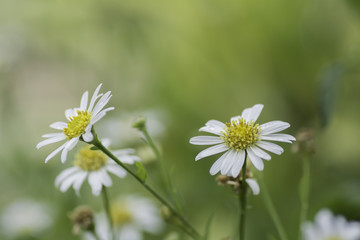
[84, 101]
[235, 171]
[50, 141]
[211, 151]
[228, 162]
[71, 143]
[58, 125]
[252, 114]
[64, 155]
[256, 161]
[273, 127]
[79, 181]
[97, 118]
[116, 170]
[271, 147]
[216, 167]
[56, 151]
[101, 103]
[95, 182]
[88, 136]
[253, 185]
[279, 137]
[65, 174]
[206, 140]
[260, 153]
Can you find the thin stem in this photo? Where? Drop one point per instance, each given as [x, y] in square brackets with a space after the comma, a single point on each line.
[243, 202]
[192, 232]
[107, 209]
[304, 188]
[165, 174]
[271, 209]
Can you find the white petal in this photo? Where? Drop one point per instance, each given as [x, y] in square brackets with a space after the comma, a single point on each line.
[64, 174]
[116, 170]
[236, 118]
[279, 137]
[105, 178]
[84, 101]
[253, 185]
[124, 151]
[211, 151]
[260, 153]
[51, 135]
[129, 159]
[58, 125]
[50, 141]
[271, 147]
[68, 182]
[56, 151]
[273, 127]
[101, 103]
[252, 114]
[106, 110]
[215, 123]
[94, 97]
[206, 140]
[69, 113]
[79, 181]
[88, 136]
[235, 171]
[130, 232]
[229, 162]
[216, 167]
[95, 183]
[97, 118]
[213, 130]
[64, 155]
[256, 161]
[71, 143]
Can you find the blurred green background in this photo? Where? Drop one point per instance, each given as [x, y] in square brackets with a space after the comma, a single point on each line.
[195, 61]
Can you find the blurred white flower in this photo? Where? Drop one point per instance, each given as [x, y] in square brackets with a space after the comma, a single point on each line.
[120, 129]
[94, 165]
[131, 215]
[330, 227]
[80, 122]
[239, 136]
[25, 218]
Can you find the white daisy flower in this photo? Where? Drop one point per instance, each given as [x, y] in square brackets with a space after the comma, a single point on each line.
[330, 227]
[80, 122]
[94, 165]
[17, 219]
[131, 215]
[239, 137]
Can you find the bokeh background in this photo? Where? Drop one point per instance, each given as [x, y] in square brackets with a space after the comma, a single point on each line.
[182, 63]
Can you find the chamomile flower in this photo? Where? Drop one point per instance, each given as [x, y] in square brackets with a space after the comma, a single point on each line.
[240, 137]
[79, 125]
[330, 227]
[94, 165]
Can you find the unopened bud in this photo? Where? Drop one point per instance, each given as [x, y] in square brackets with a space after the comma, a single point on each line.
[82, 219]
[166, 214]
[140, 123]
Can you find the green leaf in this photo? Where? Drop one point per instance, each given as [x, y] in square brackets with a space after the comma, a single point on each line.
[94, 148]
[141, 172]
[271, 237]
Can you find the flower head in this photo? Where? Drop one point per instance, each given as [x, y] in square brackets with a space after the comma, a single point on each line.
[240, 137]
[79, 125]
[330, 227]
[131, 216]
[17, 219]
[94, 165]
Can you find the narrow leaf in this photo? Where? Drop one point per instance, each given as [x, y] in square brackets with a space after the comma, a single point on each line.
[141, 172]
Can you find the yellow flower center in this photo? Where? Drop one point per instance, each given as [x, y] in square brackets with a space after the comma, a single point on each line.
[76, 126]
[120, 214]
[90, 160]
[240, 134]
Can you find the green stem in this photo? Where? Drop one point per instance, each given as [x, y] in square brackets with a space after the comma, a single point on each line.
[107, 209]
[271, 209]
[304, 188]
[192, 232]
[165, 174]
[243, 202]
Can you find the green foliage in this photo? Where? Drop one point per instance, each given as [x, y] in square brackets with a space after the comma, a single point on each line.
[141, 172]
